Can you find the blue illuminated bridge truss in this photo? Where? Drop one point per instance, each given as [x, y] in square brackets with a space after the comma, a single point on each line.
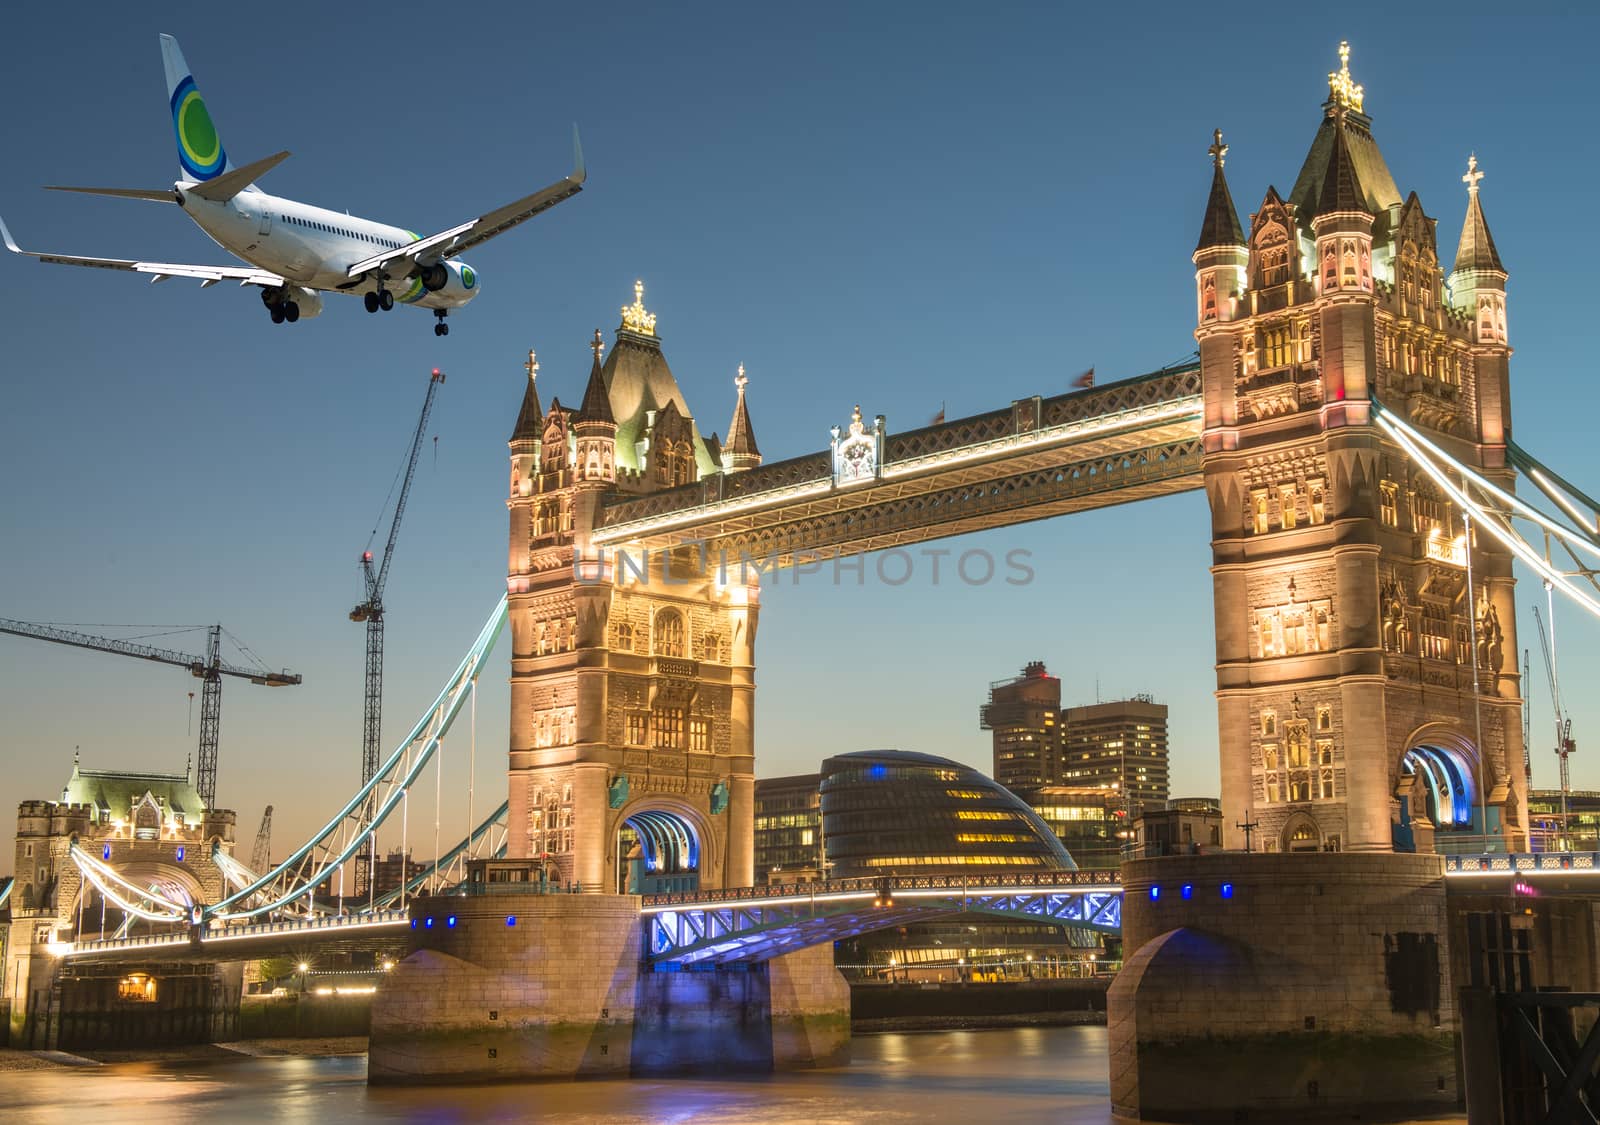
[756, 923]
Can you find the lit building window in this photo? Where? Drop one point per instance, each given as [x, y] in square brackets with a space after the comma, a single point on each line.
[1324, 716]
[668, 725]
[700, 735]
[1269, 756]
[624, 641]
[1389, 503]
[1288, 504]
[1277, 344]
[1318, 501]
[1324, 751]
[639, 728]
[669, 633]
[1269, 723]
[1325, 786]
[1298, 743]
[137, 988]
[1260, 511]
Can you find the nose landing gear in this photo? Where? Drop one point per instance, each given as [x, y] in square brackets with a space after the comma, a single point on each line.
[440, 328]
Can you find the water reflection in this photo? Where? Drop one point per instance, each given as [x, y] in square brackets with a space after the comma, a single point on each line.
[994, 1077]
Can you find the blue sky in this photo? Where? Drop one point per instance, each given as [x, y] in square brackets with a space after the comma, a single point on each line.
[898, 205]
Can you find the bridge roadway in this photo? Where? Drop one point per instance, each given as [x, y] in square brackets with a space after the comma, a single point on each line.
[755, 923]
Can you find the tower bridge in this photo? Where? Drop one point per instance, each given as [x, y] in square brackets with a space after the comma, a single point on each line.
[1349, 421]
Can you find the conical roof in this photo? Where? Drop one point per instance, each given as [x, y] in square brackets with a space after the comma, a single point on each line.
[596, 405]
[1373, 182]
[741, 437]
[1221, 224]
[1477, 251]
[530, 418]
[1341, 184]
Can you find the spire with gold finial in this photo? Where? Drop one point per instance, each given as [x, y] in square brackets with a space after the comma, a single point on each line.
[596, 405]
[739, 451]
[1342, 90]
[530, 416]
[1221, 224]
[634, 316]
[1476, 250]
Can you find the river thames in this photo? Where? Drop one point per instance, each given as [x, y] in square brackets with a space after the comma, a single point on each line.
[1029, 1074]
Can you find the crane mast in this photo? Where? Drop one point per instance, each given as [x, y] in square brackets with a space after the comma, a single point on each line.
[208, 669]
[261, 854]
[1565, 745]
[371, 610]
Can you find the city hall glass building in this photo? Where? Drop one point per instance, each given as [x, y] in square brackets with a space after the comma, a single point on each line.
[897, 812]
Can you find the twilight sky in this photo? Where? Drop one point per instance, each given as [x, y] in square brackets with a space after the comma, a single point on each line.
[892, 204]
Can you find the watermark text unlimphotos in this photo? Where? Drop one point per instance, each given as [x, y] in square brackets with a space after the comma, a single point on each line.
[693, 562]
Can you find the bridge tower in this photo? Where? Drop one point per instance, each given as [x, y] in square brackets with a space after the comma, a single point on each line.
[1347, 635]
[632, 762]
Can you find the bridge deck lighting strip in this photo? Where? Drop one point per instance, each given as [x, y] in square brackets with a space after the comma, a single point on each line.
[750, 903]
[1509, 540]
[1187, 408]
[1402, 431]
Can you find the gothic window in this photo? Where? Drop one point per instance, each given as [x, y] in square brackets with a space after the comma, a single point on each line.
[668, 726]
[711, 647]
[1320, 620]
[1269, 723]
[669, 638]
[700, 735]
[682, 464]
[147, 822]
[1318, 501]
[1276, 345]
[1208, 297]
[1269, 756]
[1324, 716]
[1275, 264]
[1296, 742]
[638, 728]
[1325, 785]
[1273, 795]
[1266, 623]
[1260, 511]
[624, 641]
[1288, 505]
[1349, 276]
[1295, 636]
[1324, 751]
[1330, 268]
[1389, 503]
[1366, 268]
[1299, 790]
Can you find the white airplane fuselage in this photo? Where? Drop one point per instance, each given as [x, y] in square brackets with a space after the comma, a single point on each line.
[314, 247]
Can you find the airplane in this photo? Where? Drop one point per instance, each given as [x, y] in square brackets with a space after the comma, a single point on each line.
[297, 252]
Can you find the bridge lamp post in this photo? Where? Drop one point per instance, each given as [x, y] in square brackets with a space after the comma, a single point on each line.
[304, 969]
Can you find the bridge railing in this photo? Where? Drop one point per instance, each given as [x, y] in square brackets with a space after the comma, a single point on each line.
[1516, 863]
[216, 931]
[1044, 880]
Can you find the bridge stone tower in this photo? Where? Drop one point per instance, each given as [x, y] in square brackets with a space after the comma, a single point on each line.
[1347, 634]
[632, 761]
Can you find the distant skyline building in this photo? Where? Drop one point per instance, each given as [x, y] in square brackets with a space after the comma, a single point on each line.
[1119, 745]
[788, 829]
[1023, 712]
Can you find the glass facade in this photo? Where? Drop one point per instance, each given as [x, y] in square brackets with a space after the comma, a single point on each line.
[788, 829]
[897, 812]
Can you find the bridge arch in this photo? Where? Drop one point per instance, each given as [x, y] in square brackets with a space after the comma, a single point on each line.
[1301, 833]
[1440, 778]
[662, 845]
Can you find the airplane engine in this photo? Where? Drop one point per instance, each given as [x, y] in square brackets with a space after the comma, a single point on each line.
[309, 300]
[434, 277]
[460, 282]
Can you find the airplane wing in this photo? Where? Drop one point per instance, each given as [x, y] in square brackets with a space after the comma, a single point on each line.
[404, 261]
[157, 271]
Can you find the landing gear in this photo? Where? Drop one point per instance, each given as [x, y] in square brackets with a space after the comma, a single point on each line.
[291, 311]
[378, 299]
[370, 300]
[385, 300]
[440, 328]
[279, 307]
[277, 313]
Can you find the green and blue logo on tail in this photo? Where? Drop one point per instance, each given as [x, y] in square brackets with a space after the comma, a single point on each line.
[200, 150]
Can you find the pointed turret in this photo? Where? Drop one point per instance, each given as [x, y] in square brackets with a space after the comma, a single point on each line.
[1341, 184]
[531, 417]
[596, 406]
[1221, 224]
[594, 427]
[740, 451]
[1477, 250]
[1221, 257]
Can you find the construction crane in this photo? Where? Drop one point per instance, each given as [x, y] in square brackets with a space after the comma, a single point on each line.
[208, 669]
[371, 610]
[1565, 745]
[261, 854]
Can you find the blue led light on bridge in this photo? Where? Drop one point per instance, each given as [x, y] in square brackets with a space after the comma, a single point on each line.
[1226, 890]
[180, 853]
[427, 924]
[511, 919]
[106, 852]
[1188, 891]
[1155, 893]
[413, 923]
[450, 922]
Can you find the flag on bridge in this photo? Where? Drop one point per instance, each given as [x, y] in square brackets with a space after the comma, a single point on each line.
[1085, 381]
[938, 419]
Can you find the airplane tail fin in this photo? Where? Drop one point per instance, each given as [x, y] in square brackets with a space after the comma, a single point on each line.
[200, 152]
